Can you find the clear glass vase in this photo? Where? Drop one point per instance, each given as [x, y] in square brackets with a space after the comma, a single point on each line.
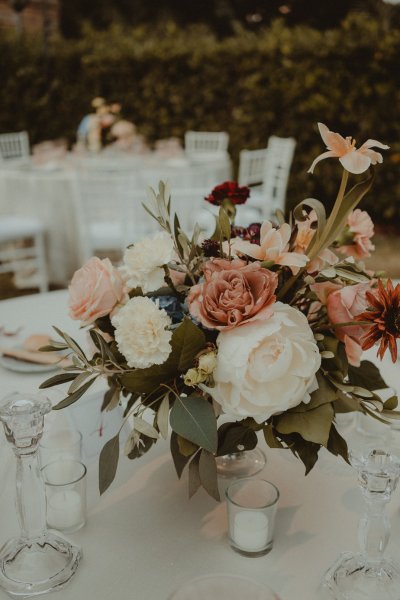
[241, 464]
[367, 575]
[38, 561]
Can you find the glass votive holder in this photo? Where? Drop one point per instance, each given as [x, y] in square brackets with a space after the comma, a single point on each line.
[60, 444]
[223, 587]
[65, 484]
[252, 505]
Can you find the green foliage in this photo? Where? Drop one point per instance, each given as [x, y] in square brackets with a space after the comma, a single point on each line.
[279, 81]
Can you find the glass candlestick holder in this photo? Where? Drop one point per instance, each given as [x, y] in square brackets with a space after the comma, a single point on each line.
[38, 561]
[368, 575]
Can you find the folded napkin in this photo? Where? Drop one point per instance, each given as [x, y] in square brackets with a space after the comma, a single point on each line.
[40, 358]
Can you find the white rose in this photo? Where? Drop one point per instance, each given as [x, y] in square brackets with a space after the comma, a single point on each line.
[267, 367]
[144, 260]
[141, 333]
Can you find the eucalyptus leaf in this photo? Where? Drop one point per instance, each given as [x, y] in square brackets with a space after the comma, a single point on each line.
[79, 381]
[194, 475]
[111, 399]
[143, 427]
[224, 223]
[180, 461]
[162, 416]
[351, 275]
[208, 474]
[270, 437]
[186, 448]
[193, 418]
[108, 463]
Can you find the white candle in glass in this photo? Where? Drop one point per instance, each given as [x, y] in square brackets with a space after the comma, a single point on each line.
[65, 510]
[250, 530]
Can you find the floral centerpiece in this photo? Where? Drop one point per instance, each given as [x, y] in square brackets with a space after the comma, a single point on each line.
[264, 324]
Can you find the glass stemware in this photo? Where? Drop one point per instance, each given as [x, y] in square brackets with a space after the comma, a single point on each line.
[38, 561]
[368, 575]
[241, 464]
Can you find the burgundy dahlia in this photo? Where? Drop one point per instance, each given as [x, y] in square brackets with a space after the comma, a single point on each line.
[229, 190]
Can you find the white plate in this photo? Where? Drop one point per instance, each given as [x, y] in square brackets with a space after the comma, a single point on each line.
[21, 366]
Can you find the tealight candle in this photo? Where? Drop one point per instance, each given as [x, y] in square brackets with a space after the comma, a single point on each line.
[250, 530]
[65, 510]
[251, 514]
[65, 494]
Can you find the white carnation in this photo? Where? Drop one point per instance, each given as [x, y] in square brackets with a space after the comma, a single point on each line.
[141, 333]
[267, 367]
[144, 260]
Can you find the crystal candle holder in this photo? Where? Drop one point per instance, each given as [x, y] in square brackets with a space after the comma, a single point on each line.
[252, 505]
[368, 575]
[37, 561]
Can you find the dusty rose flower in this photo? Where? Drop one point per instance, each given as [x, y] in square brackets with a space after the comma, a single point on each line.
[229, 190]
[233, 293]
[274, 245]
[95, 290]
[343, 306]
[360, 225]
[352, 159]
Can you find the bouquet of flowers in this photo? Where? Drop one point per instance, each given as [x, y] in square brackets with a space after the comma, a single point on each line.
[264, 324]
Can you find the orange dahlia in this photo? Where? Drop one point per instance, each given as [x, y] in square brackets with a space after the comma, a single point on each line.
[383, 316]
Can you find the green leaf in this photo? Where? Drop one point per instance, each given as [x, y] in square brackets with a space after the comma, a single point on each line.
[186, 448]
[208, 474]
[143, 427]
[108, 463]
[351, 275]
[187, 341]
[71, 398]
[337, 445]
[111, 399]
[194, 475]
[270, 437]
[313, 425]
[325, 393]
[162, 416]
[308, 454]
[391, 403]
[142, 447]
[367, 375]
[180, 461]
[234, 437]
[79, 381]
[58, 380]
[193, 418]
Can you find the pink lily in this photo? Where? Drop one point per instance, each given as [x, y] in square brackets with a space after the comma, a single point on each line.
[355, 160]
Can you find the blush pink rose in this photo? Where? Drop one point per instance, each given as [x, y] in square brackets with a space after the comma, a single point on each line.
[344, 305]
[233, 293]
[95, 290]
[359, 224]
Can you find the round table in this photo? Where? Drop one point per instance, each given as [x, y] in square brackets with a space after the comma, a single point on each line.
[49, 193]
[144, 537]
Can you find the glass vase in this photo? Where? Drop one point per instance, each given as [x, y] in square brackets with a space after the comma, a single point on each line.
[367, 575]
[241, 464]
[38, 561]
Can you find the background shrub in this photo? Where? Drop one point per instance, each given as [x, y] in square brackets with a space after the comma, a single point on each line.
[278, 81]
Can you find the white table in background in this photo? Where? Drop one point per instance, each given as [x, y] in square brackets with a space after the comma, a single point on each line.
[144, 537]
[49, 193]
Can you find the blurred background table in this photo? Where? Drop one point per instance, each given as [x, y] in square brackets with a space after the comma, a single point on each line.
[53, 193]
[144, 537]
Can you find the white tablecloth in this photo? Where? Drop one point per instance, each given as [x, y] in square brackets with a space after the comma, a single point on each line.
[144, 537]
[48, 193]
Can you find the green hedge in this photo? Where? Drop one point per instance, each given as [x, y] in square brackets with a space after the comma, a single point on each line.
[280, 81]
